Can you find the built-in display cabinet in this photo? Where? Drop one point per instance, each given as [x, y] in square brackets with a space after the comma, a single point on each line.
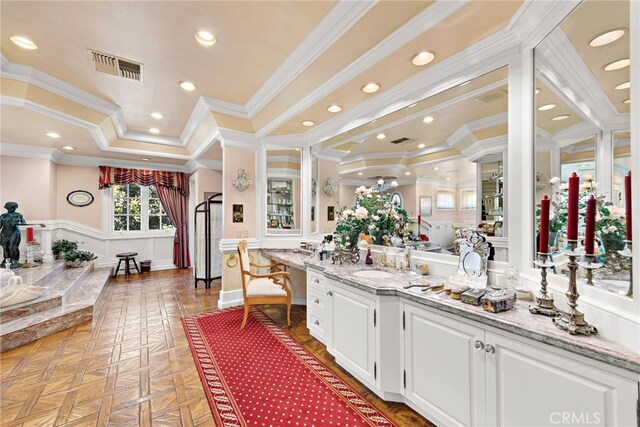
[457, 372]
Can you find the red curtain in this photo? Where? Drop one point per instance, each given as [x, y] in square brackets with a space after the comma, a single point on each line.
[173, 192]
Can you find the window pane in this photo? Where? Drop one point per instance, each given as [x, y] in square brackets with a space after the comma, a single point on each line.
[134, 206]
[134, 222]
[166, 224]
[152, 193]
[445, 200]
[154, 207]
[120, 206]
[134, 190]
[119, 191]
[154, 222]
[468, 199]
[120, 223]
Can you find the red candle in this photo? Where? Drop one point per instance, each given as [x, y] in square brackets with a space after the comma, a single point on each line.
[419, 221]
[627, 203]
[30, 234]
[590, 229]
[543, 246]
[572, 205]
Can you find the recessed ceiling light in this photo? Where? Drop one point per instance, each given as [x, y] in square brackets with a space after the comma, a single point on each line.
[425, 176]
[156, 116]
[188, 86]
[334, 108]
[413, 105]
[154, 130]
[381, 136]
[205, 38]
[308, 123]
[297, 149]
[423, 58]
[359, 173]
[448, 179]
[146, 159]
[561, 117]
[537, 91]
[627, 101]
[23, 42]
[68, 147]
[428, 119]
[617, 65]
[407, 173]
[421, 145]
[370, 88]
[546, 107]
[607, 37]
[53, 135]
[621, 86]
[583, 166]
[436, 168]
[348, 151]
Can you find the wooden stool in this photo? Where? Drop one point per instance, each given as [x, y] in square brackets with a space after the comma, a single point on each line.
[126, 257]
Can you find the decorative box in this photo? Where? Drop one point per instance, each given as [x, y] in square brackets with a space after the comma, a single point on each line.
[500, 300]
[457, 291]
[473, 296]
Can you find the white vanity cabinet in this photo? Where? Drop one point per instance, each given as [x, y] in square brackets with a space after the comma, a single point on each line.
[351, 335]
[458, 373]
[316, 305]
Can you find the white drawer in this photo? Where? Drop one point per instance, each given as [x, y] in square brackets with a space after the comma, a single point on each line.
[316, 325]
[316, 301]
[315, 281]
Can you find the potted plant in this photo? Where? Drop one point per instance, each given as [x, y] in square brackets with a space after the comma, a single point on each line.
[75, 258]
[61, 246]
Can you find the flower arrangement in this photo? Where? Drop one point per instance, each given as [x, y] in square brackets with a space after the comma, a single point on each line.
[61, 246]
[76, 258]
[373, 214]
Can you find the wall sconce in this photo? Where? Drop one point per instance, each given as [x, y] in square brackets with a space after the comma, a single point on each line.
[242, 183]
[329, 188]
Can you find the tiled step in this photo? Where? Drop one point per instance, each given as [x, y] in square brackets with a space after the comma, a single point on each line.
[55, 281]
[78, 303]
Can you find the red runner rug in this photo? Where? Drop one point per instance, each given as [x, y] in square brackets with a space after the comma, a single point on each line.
[261, 376]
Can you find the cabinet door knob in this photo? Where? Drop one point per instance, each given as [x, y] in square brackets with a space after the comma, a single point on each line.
[330, 293]
[316, 322]
[317, 301]
[316, 280]
[490, 349]
[479, 345]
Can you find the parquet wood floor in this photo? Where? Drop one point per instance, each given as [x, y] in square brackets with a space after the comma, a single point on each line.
[133, 365]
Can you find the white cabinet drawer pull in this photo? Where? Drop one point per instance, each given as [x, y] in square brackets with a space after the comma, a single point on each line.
[317, 301]
[316, 280]
[490, 349]
[479, 345]
[330, 293]
[316, 322]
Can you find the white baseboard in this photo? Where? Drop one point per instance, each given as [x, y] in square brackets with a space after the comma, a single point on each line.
[230, 299]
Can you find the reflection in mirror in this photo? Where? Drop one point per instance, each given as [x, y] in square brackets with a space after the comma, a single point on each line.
[315, 179]
[492, 195]
[432, 149]
[283, 191]
[574, 133]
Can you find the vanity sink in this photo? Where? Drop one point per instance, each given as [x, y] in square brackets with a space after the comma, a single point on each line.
[372, 274]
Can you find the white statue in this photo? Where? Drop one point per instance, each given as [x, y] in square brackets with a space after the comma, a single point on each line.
[16, 292]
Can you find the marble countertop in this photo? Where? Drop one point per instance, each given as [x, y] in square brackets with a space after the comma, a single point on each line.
[517, 320]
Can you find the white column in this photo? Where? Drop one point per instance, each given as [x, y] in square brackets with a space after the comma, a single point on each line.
[45, 244]
[556, 161]
[519, 176]
[604, 163]
[305, 179]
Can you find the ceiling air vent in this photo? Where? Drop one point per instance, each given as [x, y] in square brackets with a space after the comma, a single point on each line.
[400, 141]
[111, 64]
[383, 177]
[492, 96]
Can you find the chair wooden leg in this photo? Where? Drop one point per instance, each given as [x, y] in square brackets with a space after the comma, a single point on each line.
[288, 314]
[246, 316]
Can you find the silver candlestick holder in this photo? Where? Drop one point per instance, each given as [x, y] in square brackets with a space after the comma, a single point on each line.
[627, 252]
[589, 263]
[573, 320]
[544, 301]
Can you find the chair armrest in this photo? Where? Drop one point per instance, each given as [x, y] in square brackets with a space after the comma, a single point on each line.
[284, 274]
[253, 264]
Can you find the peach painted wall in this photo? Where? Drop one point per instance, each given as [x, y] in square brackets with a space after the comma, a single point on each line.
[71, 178]
[347, 195]
[408, 193]
[233, 159]
[328, 170]
[207, 181]
[30, 183]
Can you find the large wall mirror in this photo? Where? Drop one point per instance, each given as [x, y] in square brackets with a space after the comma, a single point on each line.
[283, 191]
[434, 150]
[315, 196]
[582, 125]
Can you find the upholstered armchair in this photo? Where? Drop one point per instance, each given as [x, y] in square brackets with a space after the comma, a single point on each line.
[267, 288]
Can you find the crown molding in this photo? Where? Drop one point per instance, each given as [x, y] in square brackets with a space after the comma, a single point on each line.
[238, 139]
[342, 17]
[536, 19]
[412, 29]
[58, 157]
[282, 174]
[576, 133]
[231, 245]
[485, 147]
[467, 129]
[194, 165]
